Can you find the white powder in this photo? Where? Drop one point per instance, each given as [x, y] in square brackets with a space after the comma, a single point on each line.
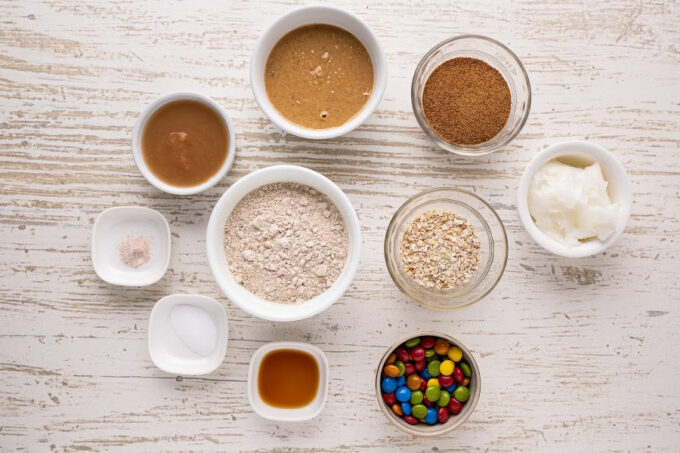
[286, 242]
[195, 328]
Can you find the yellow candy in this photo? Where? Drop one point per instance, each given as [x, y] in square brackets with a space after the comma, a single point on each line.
[433, 381]
[446, 368]
[455, 354]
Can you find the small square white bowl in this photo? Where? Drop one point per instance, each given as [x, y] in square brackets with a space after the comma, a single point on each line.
[112, 227]
[167, 350]
[307, 412]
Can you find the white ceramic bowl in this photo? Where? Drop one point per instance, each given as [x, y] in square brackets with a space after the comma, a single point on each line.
[298, 414]
[618, 188]
[317, 15]
[112, 226]
[137, 142]
[167, 350]
[248, 301]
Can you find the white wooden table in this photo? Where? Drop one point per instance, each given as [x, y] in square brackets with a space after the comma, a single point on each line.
[575, 354]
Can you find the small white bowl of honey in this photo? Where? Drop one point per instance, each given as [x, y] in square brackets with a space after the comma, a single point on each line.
[183, 143]
[288, 381]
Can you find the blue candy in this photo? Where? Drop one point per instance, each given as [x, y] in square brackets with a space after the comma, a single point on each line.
[425, 374]
[388, 384]
[403, 394]
[451, 388]
[431, 417]
[401, 380]
[406, 408]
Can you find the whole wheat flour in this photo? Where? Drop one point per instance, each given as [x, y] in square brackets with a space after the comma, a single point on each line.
[285, 242]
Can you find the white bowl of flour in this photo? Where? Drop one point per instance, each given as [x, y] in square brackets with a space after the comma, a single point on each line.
[235, 239]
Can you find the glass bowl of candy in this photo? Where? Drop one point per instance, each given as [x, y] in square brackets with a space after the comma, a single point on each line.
[427, 384]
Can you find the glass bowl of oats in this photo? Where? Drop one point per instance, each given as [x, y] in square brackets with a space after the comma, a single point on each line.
[446, 248]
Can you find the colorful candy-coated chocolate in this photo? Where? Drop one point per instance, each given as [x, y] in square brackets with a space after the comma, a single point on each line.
[455, 406]
[402, 354]
[425, 374]
[409, 369]
[431, 417]
[428, 403]
[423, 384]
[441, 346]
[390, 360]
[444, 399]
[433, 368]
[446, 367]
[419, 411]
[455, 354]
[401, 380]
[388, 384]
[412, 342]
[418, 353]
[451, 388]
[400, 366]
[403, 394]
[396, 408]
[416, 397]
[406, 408]
[410, 419]
[466, 381]
[427, 342]
[458, 375]
[413, 382]
[420, 365]
[433, 381]
[443, 415]
[461, 393]
[432, 393]
[391, 371]
[389, 398]
[466, 369]
[445, 381]
[430, 354]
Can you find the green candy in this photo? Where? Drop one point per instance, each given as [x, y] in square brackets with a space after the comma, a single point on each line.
[412, 342]
[432, 393]
[429, 354]
[465, 368]
[402, 368]
[416, 397]
[461, 393]
[444, 399]
[433, 368]
[419, 411]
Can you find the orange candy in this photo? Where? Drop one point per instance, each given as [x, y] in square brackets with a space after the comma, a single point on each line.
[392, 371]
[413, 382]
[441, 346]
[466, 381]
[397, 409]
[391, 359]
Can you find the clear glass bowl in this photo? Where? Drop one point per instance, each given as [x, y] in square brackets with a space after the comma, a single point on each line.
[454, 421]
[497, 56]
[487, 225]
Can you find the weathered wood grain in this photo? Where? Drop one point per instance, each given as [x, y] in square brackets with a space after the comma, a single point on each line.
[574, 354]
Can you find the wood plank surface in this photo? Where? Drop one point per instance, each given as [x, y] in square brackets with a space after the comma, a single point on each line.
[575, 354]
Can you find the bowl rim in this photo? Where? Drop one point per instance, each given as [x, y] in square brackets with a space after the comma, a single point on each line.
[324, 377]
[469, 150]
[608, 162]
[138, 130]
[329, 298]
[379, 82]
[392, 225]
[148, 212]
[472, 402]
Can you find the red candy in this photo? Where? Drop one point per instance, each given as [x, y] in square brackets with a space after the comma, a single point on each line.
[418, 353]
[455, 406]
[409, 369]
[402, 354]
[410, 419]
[445, 381]
[389, 398]
[442, 415]
[420, 365]
[458, 375]
[423, 385]
[427, 342]
[427, 402]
